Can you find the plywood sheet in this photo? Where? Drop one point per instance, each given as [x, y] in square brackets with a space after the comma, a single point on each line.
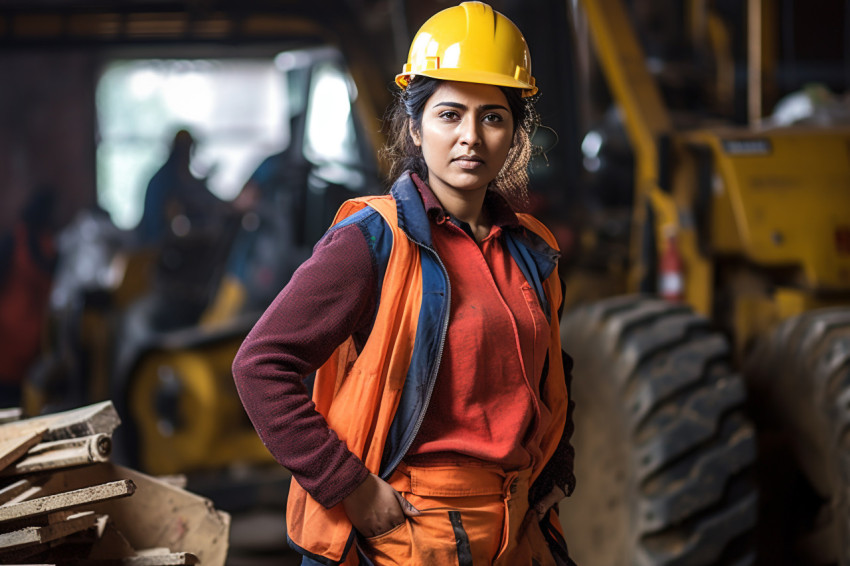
[85, 421]
[13, 449]
[66, 500]
[53, 531]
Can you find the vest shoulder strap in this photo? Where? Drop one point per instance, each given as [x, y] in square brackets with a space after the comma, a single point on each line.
[384, 204]
[531, 223]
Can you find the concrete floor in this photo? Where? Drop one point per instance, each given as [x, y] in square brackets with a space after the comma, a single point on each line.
[255, 498]
[258, 538]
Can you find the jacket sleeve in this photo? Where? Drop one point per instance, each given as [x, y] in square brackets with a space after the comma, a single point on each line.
[329, 298]
[558, 471]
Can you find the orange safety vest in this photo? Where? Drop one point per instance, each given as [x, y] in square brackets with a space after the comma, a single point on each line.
[359, 395]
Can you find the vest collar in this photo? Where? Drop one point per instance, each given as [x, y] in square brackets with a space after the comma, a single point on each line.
[413, 220]
[411, 212]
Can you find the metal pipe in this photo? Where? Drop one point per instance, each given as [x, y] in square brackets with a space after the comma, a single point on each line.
[754, 63]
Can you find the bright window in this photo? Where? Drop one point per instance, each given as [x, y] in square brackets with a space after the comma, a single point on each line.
[236, 110]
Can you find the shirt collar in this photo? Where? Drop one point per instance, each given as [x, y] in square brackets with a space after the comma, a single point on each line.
[498, 208]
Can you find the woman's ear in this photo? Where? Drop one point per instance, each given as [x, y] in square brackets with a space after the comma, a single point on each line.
[414, 135]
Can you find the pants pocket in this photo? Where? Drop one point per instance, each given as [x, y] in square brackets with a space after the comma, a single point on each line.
[377, 538]
[392, 548]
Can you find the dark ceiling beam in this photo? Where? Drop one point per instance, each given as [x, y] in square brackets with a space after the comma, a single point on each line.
[87, 23]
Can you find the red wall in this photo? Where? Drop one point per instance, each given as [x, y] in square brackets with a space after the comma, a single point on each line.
[47, 131]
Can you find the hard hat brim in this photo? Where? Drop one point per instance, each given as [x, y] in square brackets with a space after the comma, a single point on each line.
[467, 76]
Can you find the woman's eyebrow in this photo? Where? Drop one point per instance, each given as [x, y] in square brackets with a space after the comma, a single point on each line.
[493, 107]
[457, 105]
[460, 106]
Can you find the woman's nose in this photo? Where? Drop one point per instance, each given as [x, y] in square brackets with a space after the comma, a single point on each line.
[469, 132]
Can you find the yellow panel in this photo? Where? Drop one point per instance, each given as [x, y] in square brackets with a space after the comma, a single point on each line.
[699, 274]
[725, 238]
[756, 314]
[788, 192]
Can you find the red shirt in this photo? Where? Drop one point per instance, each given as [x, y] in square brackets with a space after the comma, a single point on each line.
[484, 405]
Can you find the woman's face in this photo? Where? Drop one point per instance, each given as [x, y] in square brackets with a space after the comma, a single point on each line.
[467, 130]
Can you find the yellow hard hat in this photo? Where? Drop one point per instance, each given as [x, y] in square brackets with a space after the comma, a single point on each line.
[470, 43]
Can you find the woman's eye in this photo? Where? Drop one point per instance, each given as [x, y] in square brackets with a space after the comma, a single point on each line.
[492, 118]
[449, 115]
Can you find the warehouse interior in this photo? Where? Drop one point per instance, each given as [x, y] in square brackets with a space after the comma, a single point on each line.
[654, 116]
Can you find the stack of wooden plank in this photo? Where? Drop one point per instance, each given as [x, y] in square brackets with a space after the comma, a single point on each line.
[63, 502]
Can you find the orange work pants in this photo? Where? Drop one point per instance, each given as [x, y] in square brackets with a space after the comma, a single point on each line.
[469, 516]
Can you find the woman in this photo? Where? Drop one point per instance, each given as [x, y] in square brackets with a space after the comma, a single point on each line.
[438, 431]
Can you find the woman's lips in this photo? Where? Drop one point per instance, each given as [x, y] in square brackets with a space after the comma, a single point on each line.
[469, 163]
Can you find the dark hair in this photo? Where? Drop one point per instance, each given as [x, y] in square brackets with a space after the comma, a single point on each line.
[404, 155]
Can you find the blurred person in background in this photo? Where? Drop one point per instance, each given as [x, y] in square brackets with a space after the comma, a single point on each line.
[177, 202]
[27, 262]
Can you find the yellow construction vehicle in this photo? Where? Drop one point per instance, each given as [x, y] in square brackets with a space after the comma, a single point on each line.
[721, 370]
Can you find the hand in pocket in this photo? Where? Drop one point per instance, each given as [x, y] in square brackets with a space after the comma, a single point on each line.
[375, 508]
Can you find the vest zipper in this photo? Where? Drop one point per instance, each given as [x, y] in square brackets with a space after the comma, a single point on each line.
[432, 379]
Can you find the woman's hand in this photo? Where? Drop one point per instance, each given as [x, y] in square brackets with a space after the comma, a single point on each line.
[542, 507]
[375, 508]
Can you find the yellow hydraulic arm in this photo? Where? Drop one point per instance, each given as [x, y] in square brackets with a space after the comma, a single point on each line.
[647, 121]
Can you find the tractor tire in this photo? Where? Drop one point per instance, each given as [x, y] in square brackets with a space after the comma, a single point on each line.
[799, 376]
[664, 452]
